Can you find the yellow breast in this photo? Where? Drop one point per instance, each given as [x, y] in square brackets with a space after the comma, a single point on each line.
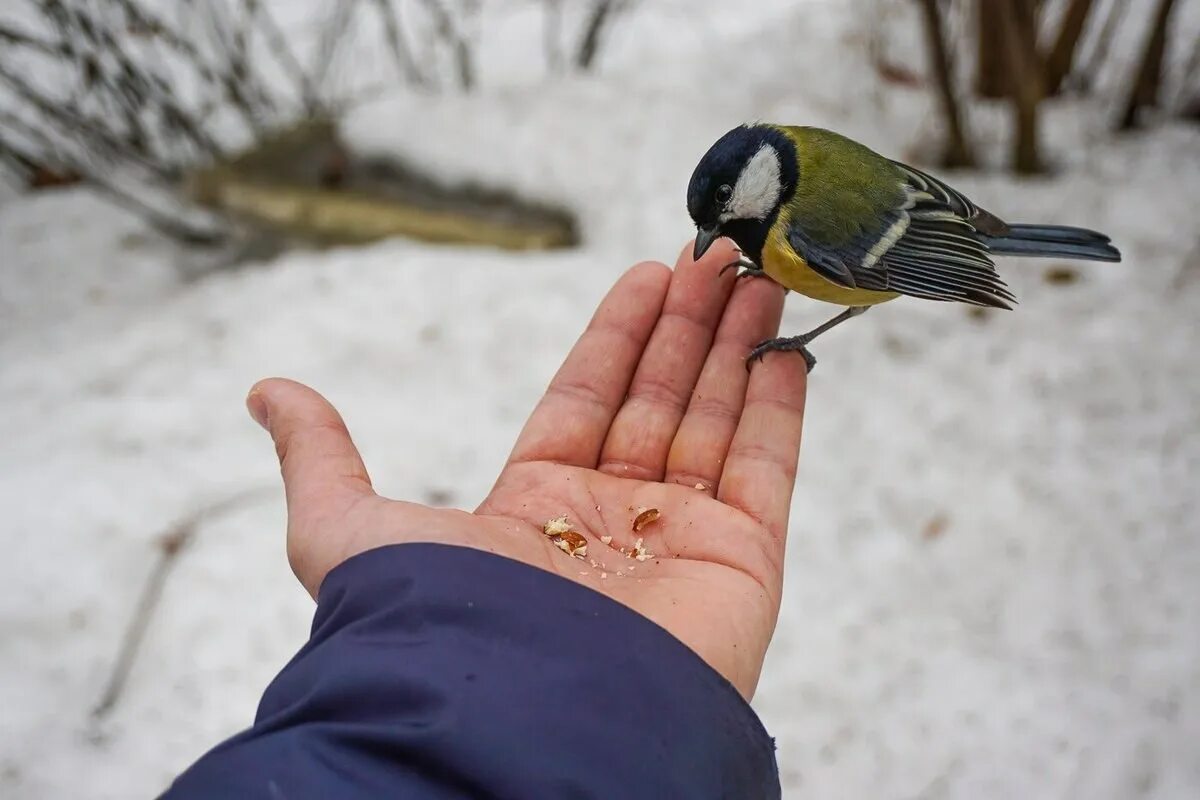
[786, 266]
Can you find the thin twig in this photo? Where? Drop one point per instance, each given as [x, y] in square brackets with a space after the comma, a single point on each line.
[957, 150]
[132, 88]
[552, 26]
[393, 34]
[90, 129]
[1147, 81]
[171, 545]
[283, 53]
[603, 13]
[239, 69]
[1085, 76]
[20, 161]
[16, 37]
[333, 33]
[450, 33]
[157, 28]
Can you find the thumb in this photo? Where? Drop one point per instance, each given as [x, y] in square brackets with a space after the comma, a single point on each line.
[323, 473]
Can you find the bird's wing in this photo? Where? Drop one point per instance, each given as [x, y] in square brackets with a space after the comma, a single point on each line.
[926, 245]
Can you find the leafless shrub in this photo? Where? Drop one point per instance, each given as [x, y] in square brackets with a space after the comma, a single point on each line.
[1026, 51]
[130, 96]
[584, 41]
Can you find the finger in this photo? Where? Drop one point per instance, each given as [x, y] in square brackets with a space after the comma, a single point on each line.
[640, 438]
[702, 442]
[323, 473]
[570, 423]
[760, 470]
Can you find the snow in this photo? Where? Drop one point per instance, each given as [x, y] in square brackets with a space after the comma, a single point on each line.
[991, 579]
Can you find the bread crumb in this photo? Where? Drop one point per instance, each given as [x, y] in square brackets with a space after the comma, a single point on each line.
[701, 487]
[645, 517]
[605, 540]
[603, 575]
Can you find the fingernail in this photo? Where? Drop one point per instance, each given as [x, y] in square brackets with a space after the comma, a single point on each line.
[258, 409]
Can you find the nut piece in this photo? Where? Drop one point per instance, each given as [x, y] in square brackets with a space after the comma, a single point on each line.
[571, 543]
[645, 517]
[565, 539]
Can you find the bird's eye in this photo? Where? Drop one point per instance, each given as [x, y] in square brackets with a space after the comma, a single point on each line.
[724, 193]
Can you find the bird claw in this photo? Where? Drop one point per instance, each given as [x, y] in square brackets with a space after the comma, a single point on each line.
[796, 344]
[750, 269]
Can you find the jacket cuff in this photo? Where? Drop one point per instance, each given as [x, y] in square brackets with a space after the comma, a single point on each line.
[433, 666]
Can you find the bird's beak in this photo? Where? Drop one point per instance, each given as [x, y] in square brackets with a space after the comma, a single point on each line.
[704, 239]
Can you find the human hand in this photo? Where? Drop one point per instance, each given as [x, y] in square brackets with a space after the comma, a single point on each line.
[653, 408]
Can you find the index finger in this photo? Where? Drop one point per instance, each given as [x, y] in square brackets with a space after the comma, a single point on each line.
[572, 420]
[760, 470]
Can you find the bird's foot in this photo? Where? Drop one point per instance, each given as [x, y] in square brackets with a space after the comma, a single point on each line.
[748, 267]
[795, 344]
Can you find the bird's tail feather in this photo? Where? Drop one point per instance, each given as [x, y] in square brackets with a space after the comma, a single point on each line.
[1061, 241]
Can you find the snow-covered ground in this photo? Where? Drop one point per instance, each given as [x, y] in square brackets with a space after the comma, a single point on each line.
[993, 587]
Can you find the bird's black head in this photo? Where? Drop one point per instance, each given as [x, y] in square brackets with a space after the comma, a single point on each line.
[739, 185]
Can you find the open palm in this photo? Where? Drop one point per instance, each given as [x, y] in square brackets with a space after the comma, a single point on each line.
[653, 408]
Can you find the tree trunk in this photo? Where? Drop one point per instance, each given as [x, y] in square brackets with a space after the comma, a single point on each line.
[1019, 36]
[1029, 14]
[957, 151]
[1062, 54]
[1144, 92]
[991, 77]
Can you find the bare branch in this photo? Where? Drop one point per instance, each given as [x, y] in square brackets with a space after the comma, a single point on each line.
[603, 13]
[1148, 80]
[283, 53]
[1062, 54]
[1103, 42]
[393, 34]
[171, 545]
[15, 37]
[552, 24]
[79, 124]
[957, 151]
[450, 33]
[333, 35]
[172, 227]
[1019, 35]
[991, 75]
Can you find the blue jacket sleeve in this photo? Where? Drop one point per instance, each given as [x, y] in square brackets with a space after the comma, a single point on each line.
[446, 672]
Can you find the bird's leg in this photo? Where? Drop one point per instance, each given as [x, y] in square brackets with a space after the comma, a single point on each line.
[799, 344]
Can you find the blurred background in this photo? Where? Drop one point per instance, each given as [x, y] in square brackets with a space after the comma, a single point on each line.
[414, 205]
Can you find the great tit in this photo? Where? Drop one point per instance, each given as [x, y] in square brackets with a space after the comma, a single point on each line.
[827, 217]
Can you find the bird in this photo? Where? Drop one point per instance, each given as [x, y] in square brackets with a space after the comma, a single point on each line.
[827, 217]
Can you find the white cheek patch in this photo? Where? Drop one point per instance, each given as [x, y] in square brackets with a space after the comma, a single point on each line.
[758, 187]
